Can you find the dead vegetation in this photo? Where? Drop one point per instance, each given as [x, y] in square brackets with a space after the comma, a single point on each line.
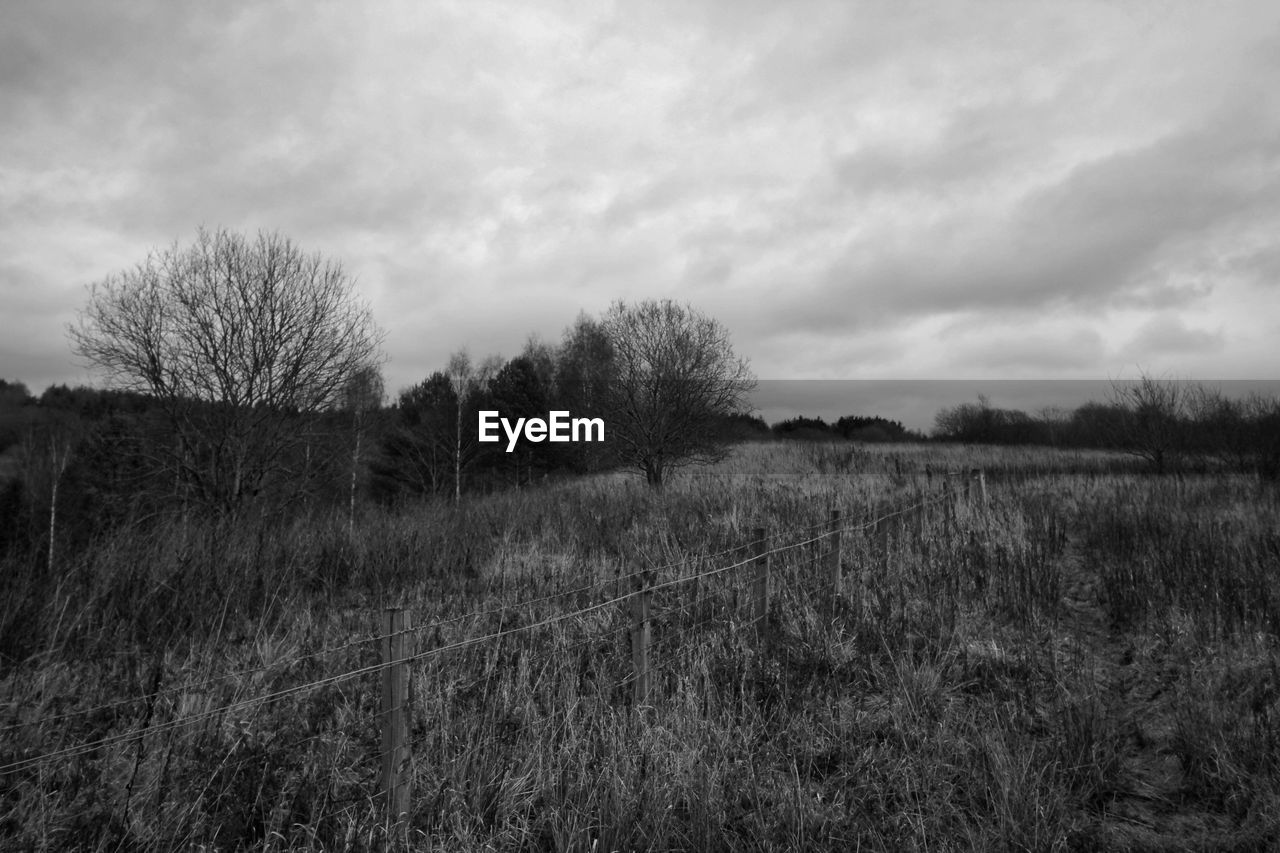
[1089, 664]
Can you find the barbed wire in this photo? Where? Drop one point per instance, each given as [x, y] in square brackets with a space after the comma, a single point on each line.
[470, 642]
[191, 687]
[437, 624]
[199, 717]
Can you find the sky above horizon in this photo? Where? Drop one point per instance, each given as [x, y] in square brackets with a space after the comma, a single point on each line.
[994, 190]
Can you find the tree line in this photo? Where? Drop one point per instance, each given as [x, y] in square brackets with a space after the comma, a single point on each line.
[862, 428]
[661, 376]
[1172, 425]
[244, 376]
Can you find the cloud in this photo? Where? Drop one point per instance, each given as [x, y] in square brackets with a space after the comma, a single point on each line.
[835, 181]
[1165, 334]
[1091, 237]
[1024, 353]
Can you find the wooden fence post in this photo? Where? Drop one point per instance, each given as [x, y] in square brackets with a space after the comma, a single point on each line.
[834, 569]
[395, 719]
[948, 503]
[922, 514]
[640, 635]
[981, 477]
[761, 561]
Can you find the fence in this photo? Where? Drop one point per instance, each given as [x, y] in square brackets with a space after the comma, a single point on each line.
[749, 587]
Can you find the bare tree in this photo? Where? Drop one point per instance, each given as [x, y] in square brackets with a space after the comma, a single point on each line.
[1219, 429]
[1153, 425]
[1240, 433]
[581, 383]
[1263, 416]
[462, 380]
[1053, 422]
[468, 382]
[242, 342]
[675, 379]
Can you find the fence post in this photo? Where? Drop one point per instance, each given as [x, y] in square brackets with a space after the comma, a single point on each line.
[834, 568]
[922, 513]
[395, 719]
[761, 560]
[640, 631]
[948, 503]
[981, 476]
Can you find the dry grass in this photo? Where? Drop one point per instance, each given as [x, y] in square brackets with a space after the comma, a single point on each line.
[1090, 664]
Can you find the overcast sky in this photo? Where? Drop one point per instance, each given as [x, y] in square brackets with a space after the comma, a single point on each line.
[856, 190]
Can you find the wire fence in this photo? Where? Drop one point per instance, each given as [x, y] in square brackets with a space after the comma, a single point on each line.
[619, 608]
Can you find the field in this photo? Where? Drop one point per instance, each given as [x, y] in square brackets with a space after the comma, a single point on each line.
[1086, 662]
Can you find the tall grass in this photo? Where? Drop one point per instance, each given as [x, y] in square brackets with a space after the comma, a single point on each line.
[1206, 548]
[949, 701]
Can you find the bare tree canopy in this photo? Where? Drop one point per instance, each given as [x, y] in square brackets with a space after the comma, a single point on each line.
[241, 340]
[675, 379]
[1153, 419]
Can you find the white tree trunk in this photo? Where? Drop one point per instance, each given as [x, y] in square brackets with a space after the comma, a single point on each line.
[355, 467]
[58, 460]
